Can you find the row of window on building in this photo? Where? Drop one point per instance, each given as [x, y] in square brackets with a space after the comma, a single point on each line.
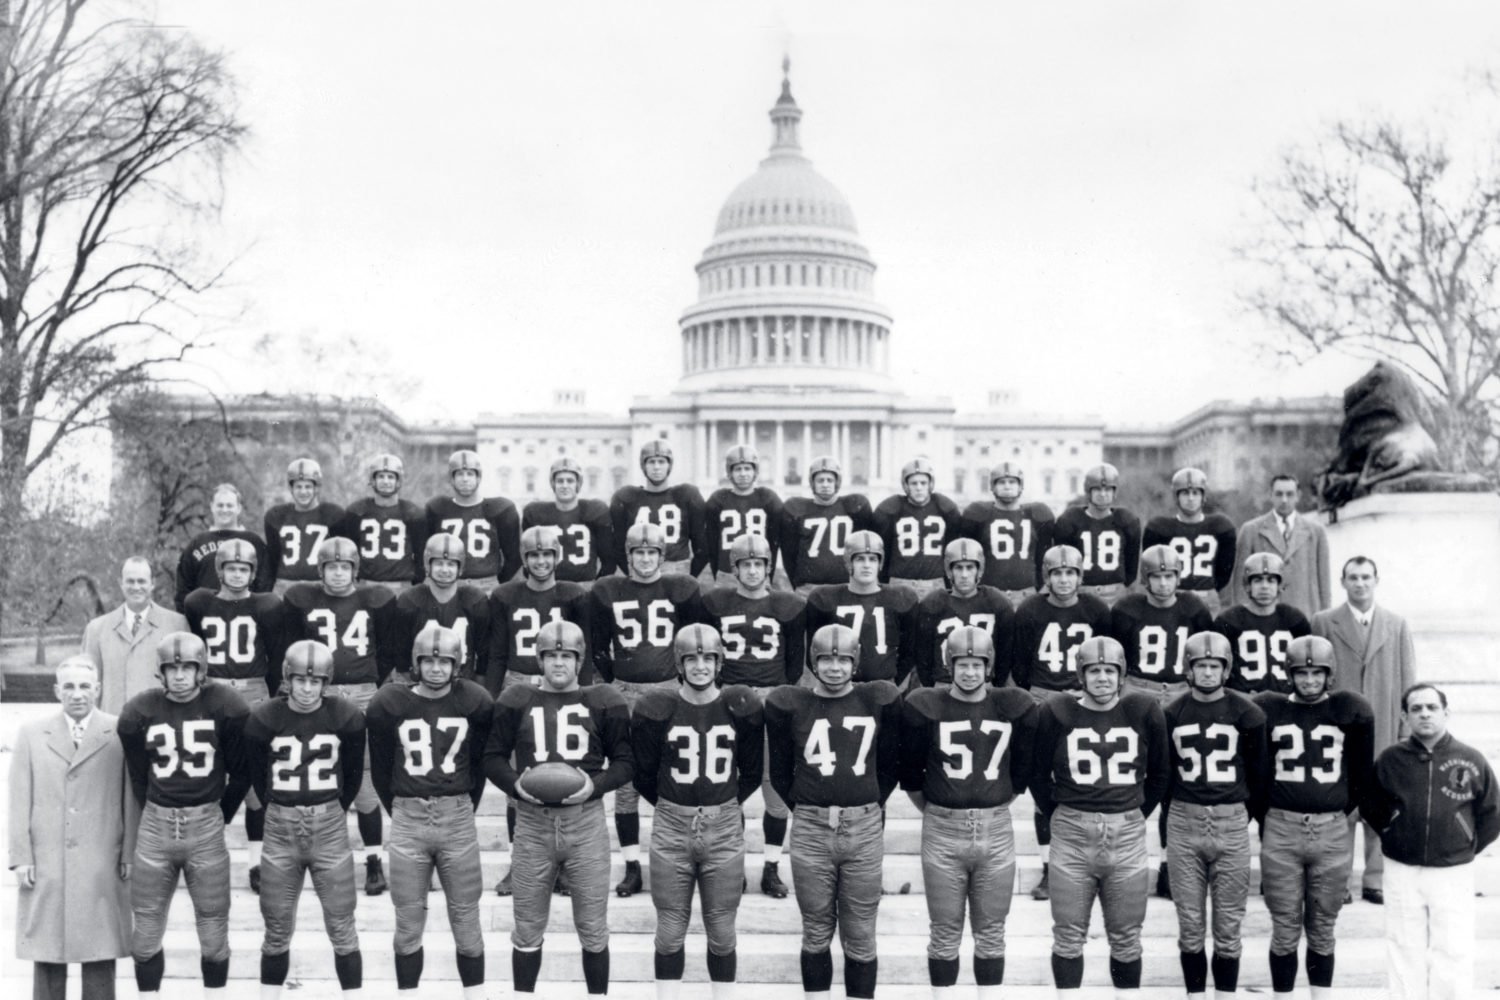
[741, 276]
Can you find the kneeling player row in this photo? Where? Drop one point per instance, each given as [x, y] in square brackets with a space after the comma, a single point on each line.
[1097, 764]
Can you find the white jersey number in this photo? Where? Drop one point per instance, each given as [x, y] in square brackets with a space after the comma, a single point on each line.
[194, 757]
[1262, 654]
[668, 517]
[732, 524]
[384, 538]
[1154, 644]
[920, 536]
[979, 619]
[291, 543]
[1216, 767]
[710, 755]
[583, 544]
[835, 529]
[1293, 766]
[570, 739]
[229, 641]
[855, 613]
[959, 762]
[1051, 649]
[416, 740]
[656, 631]
[527, 622]
[818, 751]
[1010, 539]
[356, 636]
[737, 644]
[1088, 762]
[287, 774]
[1197, 555]
[1101, 549]
[473, 532]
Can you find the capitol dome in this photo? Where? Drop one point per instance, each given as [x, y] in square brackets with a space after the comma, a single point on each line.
[786, 288]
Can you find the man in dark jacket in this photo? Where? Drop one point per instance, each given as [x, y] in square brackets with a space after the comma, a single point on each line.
[1436, 806]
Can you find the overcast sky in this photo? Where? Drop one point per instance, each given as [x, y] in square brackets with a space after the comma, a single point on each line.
[504, 198]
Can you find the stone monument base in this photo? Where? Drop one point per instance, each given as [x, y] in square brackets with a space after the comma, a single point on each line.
[1439, 561]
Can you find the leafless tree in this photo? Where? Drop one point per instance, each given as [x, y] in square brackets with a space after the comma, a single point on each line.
[112, 138]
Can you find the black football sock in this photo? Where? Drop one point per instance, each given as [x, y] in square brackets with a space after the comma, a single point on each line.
[409, 970]
[1043, 829]
[1161, 826]
[148, 973]
[510, 824]
[369, 829]
[1067, 973]
[722, 968]
[1125, 975]
[350, 969]
[471, 969]
[273, 968]
[989, 971]
[1194, 971]
[1227, 973]
[596, 969]
[215, 972]
[859, 978]
[775, 827]
[1283, 972]
[817, 971]
[628, 826]
[525, 966]
[255, 824]
[670, 965]
[1319, 968]
[942, 971]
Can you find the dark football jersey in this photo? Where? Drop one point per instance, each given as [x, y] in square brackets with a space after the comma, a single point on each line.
[1045, 642]
[677, 510]
[942, 611]
[195, 567]
[915, 536]
[294, 536]
[1218, 750]
[1013, 542]
[360, 628]
[1111, 546]
[1322, 756]
[1154, 637]
[1110, 761]
[727, 515]
[422, 748]
[841, 751]
[184, 753]
[1259, 643]
[885, 621]
[467, 613]
[304, 758]
[516, 614]
[390, 539]
[490, 531]
[967, 754]
[764, 637]
[1205, 548]
[244, 638]
[588, 538]
[813, 536]
[588, 728]
[698, 755]
[633, 625]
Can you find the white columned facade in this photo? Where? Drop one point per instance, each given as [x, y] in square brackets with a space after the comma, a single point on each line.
[807, 453]
[780, 477]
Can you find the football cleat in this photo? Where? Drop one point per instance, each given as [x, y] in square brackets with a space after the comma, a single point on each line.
[631, 883]
[1042, 890]
[1163, 883]
[503, 887]
[375, 882]
[770, 881]
[255, 879]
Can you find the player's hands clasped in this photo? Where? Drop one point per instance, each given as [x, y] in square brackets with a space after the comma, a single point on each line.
[583, 794]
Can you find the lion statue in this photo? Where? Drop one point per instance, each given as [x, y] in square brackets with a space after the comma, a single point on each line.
[1384, 445]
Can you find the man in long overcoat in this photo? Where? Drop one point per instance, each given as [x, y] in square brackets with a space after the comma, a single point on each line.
[72, 836]
[122, 643]
[1298, 540]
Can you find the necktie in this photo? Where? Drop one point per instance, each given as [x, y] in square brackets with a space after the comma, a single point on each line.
[135, 624]
[77, 735]
[1286, 531]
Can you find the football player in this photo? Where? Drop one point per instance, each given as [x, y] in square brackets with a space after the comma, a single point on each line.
[1014, 535]
[391, 532]
[815, 529]
[306, 753]
[588, 538]
[834, 757]
[633, 619]
[698, 757]
[1218, 784]
[297, 528]
[740, 509]
[1049, 628]
[195, 567]
[764, 636]
[1260, 630]
[489, 527]
[183, 748]
[677, 509]
[359, 624]
[966, 602]
[589, 728]
[1204, 543]
[1108, 536]
[243, 635]
[1322, 761]
[965, 754]
[883, 617]
[1101, 767]
[442, 598]
[427, 764]
[915, 524]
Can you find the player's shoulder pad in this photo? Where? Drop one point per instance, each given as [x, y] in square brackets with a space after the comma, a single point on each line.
[680, 586]
[945, 504]
[786, 697]
[473, 696]
[604, 696]
[855, 502]
[934, 600]
[686, 493]
[1294, 616]
[716, 598]
[373, 596]
[1161, 524]
[902, 597]
[516, 696]
[1011, 703]
[1132, 604]
[605, 587]
[890, 504]
[567, 590]
[197, 598]
[262, 603]
[1219, 524]
[720, 495]
[1095, 605]
[787, 604]
[824, 596]
[1035, 606]
[924, 701]
[495, 506]
[994, 597]
[225, 699]
[388, 699]
[1126, 516]
[1038, 512]
[505, 594]
[263, 715]
[656, 705]
[470, 596]
[590, 509]
[878, 694]
[344, 712]
[533, 509]
[1139, 705]
[1349, 706]
[1249, 713]
[741, 702]
[1269, 700]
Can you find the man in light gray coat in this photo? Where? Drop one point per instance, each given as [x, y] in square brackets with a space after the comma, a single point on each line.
[1298, 540]
[72, 836]
[122, 642]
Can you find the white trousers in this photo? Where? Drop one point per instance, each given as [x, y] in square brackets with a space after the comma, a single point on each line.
[1429, 931]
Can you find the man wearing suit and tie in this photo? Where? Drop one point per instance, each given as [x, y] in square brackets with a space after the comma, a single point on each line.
[122, 643]
[1298, 540]
[1373, 656]
[72, 836]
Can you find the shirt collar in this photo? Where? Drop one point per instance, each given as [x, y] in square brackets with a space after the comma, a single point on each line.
[1363, 617]
[82, 724]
